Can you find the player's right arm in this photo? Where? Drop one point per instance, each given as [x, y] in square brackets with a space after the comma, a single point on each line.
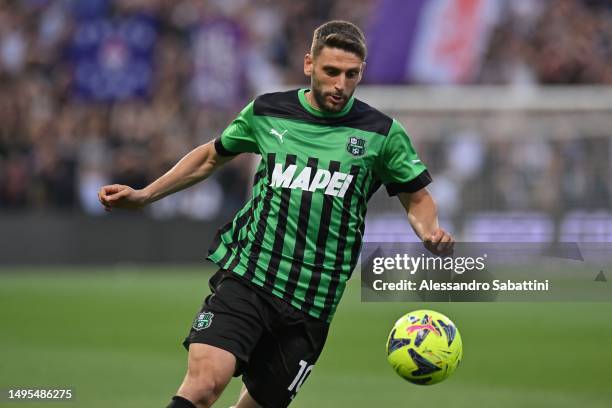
[196, 166]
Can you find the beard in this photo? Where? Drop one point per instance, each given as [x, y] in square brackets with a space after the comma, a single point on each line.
[321, 98]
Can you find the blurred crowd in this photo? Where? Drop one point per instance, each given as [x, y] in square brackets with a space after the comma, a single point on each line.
[64, 133]
[102, 92]
[527, 174]
[551, 42]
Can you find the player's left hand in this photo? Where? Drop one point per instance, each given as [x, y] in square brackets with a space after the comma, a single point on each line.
[440, 243]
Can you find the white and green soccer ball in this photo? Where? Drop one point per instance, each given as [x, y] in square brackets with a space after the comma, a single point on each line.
[424, 347]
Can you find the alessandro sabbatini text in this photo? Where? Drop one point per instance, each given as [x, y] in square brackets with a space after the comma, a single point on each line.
[486, 272]
[394, 273]
[473, 285]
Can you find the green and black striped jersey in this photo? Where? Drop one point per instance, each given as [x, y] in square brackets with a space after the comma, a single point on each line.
[300, 235]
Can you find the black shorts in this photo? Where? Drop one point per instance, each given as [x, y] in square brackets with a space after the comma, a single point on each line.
[275, 344]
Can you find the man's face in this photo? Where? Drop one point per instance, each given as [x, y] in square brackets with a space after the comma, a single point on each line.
[334, 75]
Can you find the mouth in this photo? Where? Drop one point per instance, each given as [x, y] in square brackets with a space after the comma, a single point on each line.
[336, 99]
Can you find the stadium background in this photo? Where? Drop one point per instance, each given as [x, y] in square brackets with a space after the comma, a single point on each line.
[507, 102]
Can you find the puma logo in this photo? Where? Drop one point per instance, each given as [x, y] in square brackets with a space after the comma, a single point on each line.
[277, 134]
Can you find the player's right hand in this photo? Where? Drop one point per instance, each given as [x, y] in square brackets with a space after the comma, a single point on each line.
[121, 196]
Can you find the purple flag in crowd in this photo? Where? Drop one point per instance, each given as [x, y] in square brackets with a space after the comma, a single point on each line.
[113, 57]
[429, 41]
[219, 80]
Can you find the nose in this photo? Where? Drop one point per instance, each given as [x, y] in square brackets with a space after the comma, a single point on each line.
[340, 83]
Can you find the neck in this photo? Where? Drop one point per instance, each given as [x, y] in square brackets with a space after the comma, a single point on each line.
[312, 101]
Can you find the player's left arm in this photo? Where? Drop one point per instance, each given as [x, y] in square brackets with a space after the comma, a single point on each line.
[423, 217]
[404, 174]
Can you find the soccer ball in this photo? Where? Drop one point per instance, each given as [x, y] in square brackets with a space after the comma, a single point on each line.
[424, 347]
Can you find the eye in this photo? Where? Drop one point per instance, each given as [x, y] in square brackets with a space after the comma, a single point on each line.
[332, 71]
[352, 74]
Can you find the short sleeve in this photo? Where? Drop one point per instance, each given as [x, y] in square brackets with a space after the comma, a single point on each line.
[239, 136]
[400, 169]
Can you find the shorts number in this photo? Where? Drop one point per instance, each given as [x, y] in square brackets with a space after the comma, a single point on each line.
[299, 379]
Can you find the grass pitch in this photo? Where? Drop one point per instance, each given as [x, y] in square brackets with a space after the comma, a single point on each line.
[113, 336]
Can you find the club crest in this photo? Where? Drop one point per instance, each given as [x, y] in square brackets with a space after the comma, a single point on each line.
[203, 321]
[356, 146]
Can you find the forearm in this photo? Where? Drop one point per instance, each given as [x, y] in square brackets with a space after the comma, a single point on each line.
[422, 213]
[194, 167]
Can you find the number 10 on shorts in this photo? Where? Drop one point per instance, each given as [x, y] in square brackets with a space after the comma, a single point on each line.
[299, 379]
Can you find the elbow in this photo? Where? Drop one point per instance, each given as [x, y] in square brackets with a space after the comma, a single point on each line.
[209, 162]
[206, 169]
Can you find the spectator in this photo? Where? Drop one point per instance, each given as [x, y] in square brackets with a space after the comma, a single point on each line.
[63, 133]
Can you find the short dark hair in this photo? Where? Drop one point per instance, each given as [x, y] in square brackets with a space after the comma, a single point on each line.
[339, 34]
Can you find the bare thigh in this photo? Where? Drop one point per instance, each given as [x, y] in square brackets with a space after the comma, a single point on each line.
[209, 370]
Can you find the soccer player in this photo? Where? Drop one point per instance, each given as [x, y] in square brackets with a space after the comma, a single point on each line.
[286, 256]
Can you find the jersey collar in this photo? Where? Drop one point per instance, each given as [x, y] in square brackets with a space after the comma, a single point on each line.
[322, 114]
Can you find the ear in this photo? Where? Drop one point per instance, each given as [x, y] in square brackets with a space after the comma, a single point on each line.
[308, 64]
[363, 67]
